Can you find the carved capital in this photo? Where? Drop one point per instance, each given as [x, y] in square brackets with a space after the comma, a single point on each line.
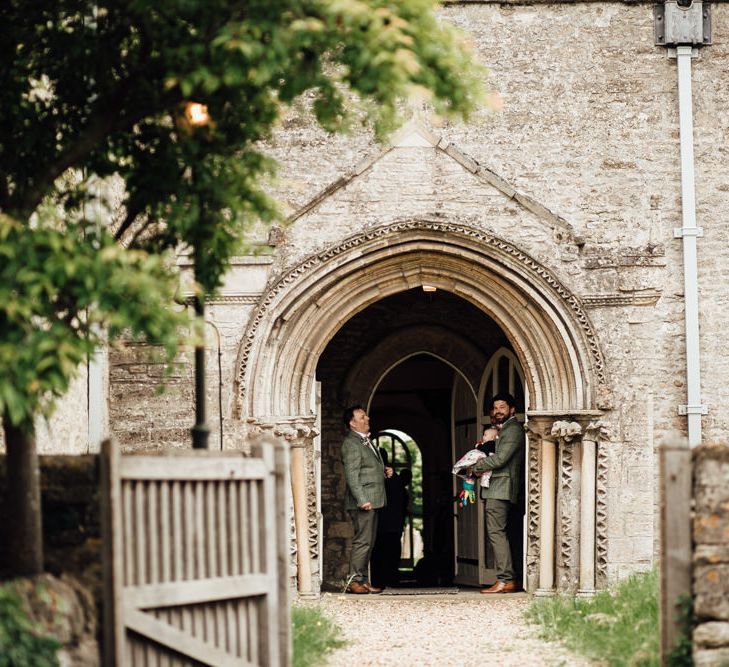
[566, 431]
[596, 431]
[540, 429]
[296, 431]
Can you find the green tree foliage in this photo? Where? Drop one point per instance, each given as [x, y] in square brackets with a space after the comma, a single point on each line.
[105, 85]
[21, 643]
[173, 100]
[59, 289]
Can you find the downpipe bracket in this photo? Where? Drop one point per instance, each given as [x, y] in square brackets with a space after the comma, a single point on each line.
[684, 410]
[680, 232]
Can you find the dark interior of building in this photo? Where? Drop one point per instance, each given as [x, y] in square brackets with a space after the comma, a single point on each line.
[437, 341]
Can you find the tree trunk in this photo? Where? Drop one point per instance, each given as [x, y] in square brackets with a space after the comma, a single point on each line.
[24, 546]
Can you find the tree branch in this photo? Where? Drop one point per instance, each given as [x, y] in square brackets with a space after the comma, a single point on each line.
[4, 194]
[101, 126]
[134, 208]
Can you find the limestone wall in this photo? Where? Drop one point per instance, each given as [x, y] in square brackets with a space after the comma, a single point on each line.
[66, 431]
[588, 137]
[589, 129]
[711, 555]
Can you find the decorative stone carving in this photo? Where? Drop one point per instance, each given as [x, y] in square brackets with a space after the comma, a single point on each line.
[541, 276]
[535, 435]
[596, 431]
[297, 431]
[649, 255]
[540, 544]
[566, 431]
[566, 502]
[247, 299]
[619, 300]
[568, 497]
[599, 434]
[276, 236]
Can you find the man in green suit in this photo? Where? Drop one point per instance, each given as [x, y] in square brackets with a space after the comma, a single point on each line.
[504, 489]
[364, 473]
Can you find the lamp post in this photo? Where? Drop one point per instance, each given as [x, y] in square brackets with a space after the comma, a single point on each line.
[196, 115]
[200, 430]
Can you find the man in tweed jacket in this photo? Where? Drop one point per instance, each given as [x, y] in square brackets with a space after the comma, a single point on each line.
[364, 473]
[507, 465]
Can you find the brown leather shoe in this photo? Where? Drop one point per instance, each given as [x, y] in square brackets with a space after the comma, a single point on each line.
[501, 587]
[358, 588]
[373, 589]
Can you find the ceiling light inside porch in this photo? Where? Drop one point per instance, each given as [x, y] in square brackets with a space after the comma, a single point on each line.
[429, 288]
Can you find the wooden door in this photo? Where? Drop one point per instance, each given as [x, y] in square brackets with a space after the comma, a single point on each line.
[470, 537]
[503, 373]
[196, 555]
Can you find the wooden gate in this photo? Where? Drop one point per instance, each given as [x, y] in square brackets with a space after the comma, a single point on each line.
[196, 558]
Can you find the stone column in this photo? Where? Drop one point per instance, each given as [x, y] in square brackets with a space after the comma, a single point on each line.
[299, 434]
[546, 524]
[567, 434]
[541, 508]
[592, 433]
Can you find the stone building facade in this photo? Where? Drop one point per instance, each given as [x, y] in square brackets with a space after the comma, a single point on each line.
[710, 581]
[547, 231]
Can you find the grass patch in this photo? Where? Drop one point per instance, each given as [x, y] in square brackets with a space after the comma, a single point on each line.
[315, 636]
[618, 628]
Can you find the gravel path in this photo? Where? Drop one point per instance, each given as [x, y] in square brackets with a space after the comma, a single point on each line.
[464, 629]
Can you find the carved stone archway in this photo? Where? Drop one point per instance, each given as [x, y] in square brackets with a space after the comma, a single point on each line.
[544, 321]
[549, 330]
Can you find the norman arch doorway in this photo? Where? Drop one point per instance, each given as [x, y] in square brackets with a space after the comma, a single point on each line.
[406, 358]
[289, 342]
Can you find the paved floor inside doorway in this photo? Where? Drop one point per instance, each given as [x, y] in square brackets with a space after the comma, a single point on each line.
[462, 630]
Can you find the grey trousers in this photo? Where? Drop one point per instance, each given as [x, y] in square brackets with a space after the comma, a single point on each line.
[365, 533]
[497, 512]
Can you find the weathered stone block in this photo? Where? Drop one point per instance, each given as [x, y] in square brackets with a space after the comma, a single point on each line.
[712, 527]
[711, 554]
[711, 658]
[639, 524]
[711, 591]
[712, 635]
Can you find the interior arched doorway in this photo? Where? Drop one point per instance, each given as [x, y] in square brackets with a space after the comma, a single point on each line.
[542, 324]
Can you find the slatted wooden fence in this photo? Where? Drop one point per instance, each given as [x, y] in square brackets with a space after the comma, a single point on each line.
[195, 563]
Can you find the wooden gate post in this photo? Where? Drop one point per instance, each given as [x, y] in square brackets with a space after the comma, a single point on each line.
[283, 542]
[675, 530]
[111, 541]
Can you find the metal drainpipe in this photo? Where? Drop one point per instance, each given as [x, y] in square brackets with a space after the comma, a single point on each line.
[689, 233]
[686, 25]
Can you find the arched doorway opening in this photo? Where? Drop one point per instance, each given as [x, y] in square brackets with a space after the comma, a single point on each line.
[418, 362]
[403, 454]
